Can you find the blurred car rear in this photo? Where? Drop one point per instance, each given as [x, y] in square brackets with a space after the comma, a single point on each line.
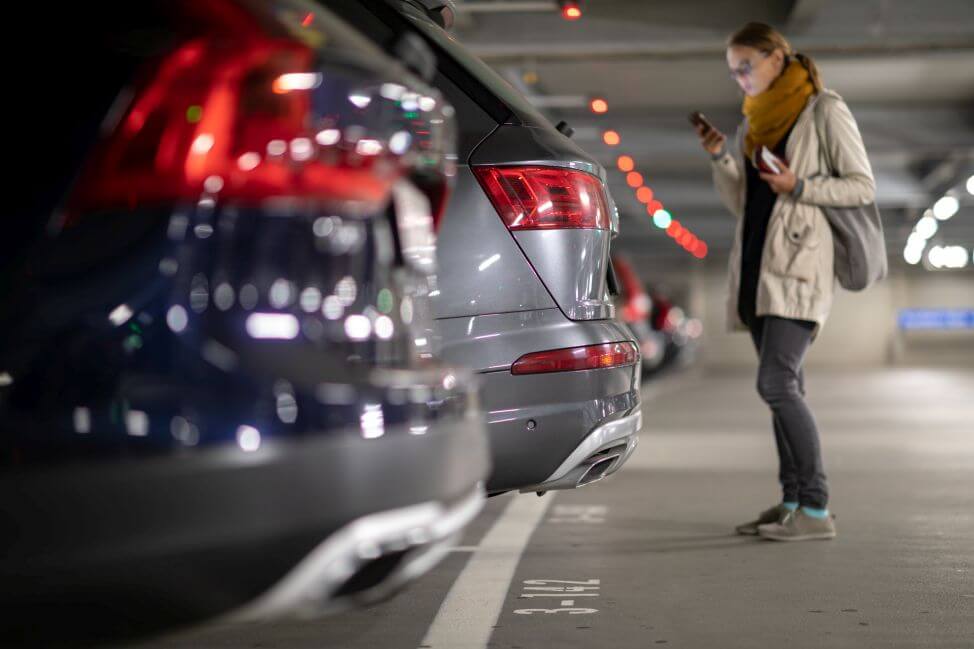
[213, 396]
[681, 333]
[634, 306]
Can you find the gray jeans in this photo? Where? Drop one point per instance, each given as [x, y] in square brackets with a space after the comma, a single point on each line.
[781, 344]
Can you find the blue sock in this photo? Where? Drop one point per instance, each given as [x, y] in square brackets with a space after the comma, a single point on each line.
[790, 505]
[816, 513]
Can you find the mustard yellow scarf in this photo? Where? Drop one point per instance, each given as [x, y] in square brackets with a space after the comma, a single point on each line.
[774, 111]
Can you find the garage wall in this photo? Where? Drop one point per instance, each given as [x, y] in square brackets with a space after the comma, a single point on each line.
[859, 332]
[862, 330]
[944, 348]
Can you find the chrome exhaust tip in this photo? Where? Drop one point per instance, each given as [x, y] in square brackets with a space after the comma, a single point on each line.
[598, 469]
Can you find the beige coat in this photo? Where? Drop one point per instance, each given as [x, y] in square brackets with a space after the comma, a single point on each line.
[796, 278]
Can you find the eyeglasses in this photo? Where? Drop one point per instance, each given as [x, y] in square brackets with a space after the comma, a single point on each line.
[745, 69]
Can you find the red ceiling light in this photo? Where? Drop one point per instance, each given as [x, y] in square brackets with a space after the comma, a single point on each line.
[644, 195]
[598, 105]
[611, 138]
[625, 163]
[634, 179]
[653, 206]
[570, 10]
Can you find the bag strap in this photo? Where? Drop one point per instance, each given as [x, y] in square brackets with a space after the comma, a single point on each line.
[739, 138]
[820, 131]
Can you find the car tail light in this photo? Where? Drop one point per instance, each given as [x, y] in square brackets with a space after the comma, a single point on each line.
[590, 357]
[667, 318]
[674, 318]
[227, 112]
[545, 198]
[637, 303]
[637, 308]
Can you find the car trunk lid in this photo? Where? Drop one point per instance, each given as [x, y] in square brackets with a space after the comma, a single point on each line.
[553, 199]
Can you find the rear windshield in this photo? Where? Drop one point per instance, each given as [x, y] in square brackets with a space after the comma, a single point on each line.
[483, 73]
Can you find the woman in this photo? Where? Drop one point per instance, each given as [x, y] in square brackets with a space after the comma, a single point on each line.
[781, 275]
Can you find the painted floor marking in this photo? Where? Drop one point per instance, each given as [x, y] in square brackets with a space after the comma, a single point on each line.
[473, 605]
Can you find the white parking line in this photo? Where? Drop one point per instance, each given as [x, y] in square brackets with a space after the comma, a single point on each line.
[471, 608]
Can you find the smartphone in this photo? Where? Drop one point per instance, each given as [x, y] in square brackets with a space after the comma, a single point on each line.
[697, 119]
[768, 161]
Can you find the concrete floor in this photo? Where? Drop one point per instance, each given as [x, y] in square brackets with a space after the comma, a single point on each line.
[899, 451]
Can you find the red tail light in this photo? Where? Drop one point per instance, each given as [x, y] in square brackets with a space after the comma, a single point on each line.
[545, 198]
[590, 357]
[659, 318]
[227, 112]
[637, 302]
[667, 317]
[637, 308]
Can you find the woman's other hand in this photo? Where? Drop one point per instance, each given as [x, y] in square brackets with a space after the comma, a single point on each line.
[783, 183]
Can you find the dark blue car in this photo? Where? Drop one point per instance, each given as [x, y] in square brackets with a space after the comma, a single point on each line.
[219, 393]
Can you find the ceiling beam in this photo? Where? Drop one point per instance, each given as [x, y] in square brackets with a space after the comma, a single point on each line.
[474, 6]
[670, 51]
[803, 14]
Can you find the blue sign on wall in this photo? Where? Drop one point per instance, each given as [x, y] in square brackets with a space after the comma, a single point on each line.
[913, 319]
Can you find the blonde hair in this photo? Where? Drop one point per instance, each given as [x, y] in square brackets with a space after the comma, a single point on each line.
[767, 39]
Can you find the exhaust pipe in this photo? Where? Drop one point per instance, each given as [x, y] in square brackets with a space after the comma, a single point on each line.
[598, 470]
[592, 469]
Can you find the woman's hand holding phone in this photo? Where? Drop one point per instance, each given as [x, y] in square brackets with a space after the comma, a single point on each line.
[711, 139]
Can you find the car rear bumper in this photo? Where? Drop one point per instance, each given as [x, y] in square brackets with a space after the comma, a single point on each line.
[367, 559]
[600, 454]
[536, 421]
[304, 525]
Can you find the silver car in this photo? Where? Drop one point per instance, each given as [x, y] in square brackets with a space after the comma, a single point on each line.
[523, 255]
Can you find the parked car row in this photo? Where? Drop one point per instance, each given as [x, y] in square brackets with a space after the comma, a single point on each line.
[666, 335]
[681, 332]
[304, 283]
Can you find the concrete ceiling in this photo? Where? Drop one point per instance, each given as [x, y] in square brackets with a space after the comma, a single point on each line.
[905, 67]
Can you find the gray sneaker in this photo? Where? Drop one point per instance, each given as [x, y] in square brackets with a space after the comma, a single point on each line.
[799, 526]
[772, 515]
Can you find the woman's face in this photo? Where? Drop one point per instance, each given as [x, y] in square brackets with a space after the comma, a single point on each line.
[753, 70]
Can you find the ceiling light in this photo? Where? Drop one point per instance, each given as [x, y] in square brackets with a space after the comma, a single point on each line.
[570, 10]
[946, 207]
